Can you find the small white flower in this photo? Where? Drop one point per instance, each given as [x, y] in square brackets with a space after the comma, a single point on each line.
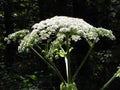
[54, 26]
[60, 36]
[80, 32]
[41, 25]
[35, 26]
[75, 38]
[64, 30]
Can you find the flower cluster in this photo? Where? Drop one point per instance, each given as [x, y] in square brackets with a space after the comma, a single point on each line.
[61, 26]
[17, 36]
[105, 33]
[28, 41]
[77, 28]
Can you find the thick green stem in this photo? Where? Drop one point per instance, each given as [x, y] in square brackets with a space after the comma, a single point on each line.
[108, 82]
[51, 65]
[68, 68]
[82, 63]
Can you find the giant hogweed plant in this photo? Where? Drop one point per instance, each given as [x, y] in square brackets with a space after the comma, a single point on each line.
[51, 39]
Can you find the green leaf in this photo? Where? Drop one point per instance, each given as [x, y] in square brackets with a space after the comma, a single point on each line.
[118, 72]
[61, 53]
[71, 49]
[33, 77]
[30, 84]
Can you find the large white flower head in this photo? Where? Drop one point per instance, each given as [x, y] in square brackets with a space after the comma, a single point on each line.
[61, 26]
[76, 27]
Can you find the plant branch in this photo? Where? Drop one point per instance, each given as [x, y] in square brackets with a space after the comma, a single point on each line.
[108, 82]
[51, 65]
[82, 63]
[67, 59]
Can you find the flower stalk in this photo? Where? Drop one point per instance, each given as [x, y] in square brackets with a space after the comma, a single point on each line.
[51, 65]
[83, 61]
[117, 74]
[108, 82]
[67, 59]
